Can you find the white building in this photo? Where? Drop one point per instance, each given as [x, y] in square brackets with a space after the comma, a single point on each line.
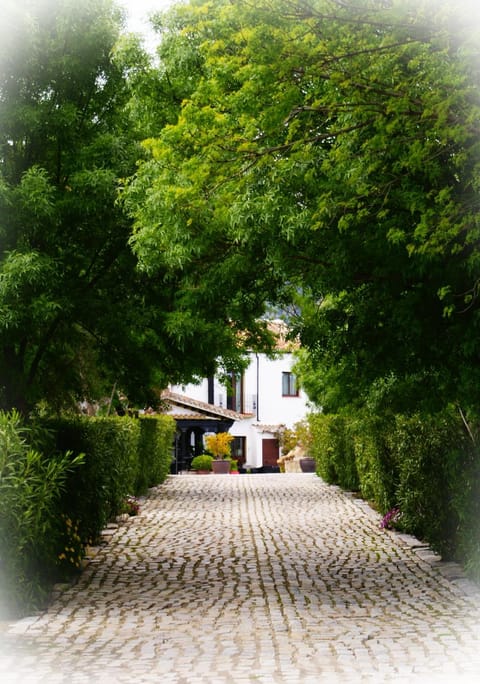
[254, 408]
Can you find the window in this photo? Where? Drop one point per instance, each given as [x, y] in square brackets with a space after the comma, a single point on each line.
[235, 393]
[289, 385]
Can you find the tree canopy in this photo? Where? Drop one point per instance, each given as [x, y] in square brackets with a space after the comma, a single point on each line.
[76, 316]
[315, 156]
[324, 157]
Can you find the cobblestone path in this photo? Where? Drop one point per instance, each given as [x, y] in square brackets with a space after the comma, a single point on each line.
[253, 578]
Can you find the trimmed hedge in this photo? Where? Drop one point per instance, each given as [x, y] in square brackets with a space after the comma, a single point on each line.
[96, 492]
[376, 462]
[55, 499]
[332, 448]
[427, 465]
[437, 480]
[154, 451]
[123, 456]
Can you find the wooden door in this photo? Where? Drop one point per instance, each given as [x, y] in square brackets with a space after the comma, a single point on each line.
[270, 452]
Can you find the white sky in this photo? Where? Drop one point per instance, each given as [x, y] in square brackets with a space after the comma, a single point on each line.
[138, 11]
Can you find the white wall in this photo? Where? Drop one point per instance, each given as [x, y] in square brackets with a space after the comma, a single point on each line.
[198, 392]
[270, 407]
[273, 408]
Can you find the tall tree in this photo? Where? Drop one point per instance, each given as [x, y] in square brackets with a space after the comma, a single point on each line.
[76, 315]
[62, 149]
[326, 153]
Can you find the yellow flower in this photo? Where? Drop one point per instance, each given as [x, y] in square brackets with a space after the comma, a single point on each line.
[219, 444]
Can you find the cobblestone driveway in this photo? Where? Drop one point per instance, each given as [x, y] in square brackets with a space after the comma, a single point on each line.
[253, 578]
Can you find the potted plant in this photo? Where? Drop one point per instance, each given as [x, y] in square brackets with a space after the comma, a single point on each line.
[202, 464]
[296, 444]
[219, 446]
[304, 440]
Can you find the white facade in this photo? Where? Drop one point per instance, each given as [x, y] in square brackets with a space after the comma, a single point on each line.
[267, 398]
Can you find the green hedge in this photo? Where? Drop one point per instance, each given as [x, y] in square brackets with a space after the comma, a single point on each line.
[155, 451]
[332, 447]
[427, 465]
[32, 530]
[57, 497]
[376, 463]
[123, 456]
[437, 480]
[96, 492]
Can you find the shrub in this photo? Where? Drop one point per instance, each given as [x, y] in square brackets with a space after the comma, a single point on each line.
[95, 492]
[466, 503]
[432, 451]
[332, 446]
[219, 444]
[123, 456]
[422, 472]
[376, 464]
[154, 451]
[52, 505]
[323, 446]
[202, 462]
[32, 532]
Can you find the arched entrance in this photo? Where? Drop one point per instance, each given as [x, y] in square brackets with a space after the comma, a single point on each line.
[189, 438]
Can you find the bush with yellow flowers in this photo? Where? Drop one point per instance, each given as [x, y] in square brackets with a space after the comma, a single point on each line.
[219, 444]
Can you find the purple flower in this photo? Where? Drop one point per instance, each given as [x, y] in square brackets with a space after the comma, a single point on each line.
[391, 518]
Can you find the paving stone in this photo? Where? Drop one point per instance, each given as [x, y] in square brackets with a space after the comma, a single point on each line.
[256, 578]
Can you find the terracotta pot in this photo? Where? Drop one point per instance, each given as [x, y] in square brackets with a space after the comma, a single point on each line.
[221, 467]
[307, 464]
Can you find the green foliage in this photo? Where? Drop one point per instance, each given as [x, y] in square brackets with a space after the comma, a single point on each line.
[154, 451]
[425, 465]
[32, 534]
[52, 505]
[432, 452]
[325, 154]
[333, 449]
[123, 456]
[376, 464]
[96, 492]
[202, 462]
[76, 315]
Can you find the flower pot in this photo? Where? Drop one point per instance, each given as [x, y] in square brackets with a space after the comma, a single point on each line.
[221, 467]
[307, 464]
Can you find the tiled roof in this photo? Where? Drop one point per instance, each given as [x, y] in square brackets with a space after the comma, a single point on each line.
[192, 416]
[202, 406]
[280, 331]
[269, 428]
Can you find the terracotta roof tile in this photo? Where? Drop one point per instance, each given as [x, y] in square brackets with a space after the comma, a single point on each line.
[188, 402]
[269, 428]
[280, 331]
[192, 416]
